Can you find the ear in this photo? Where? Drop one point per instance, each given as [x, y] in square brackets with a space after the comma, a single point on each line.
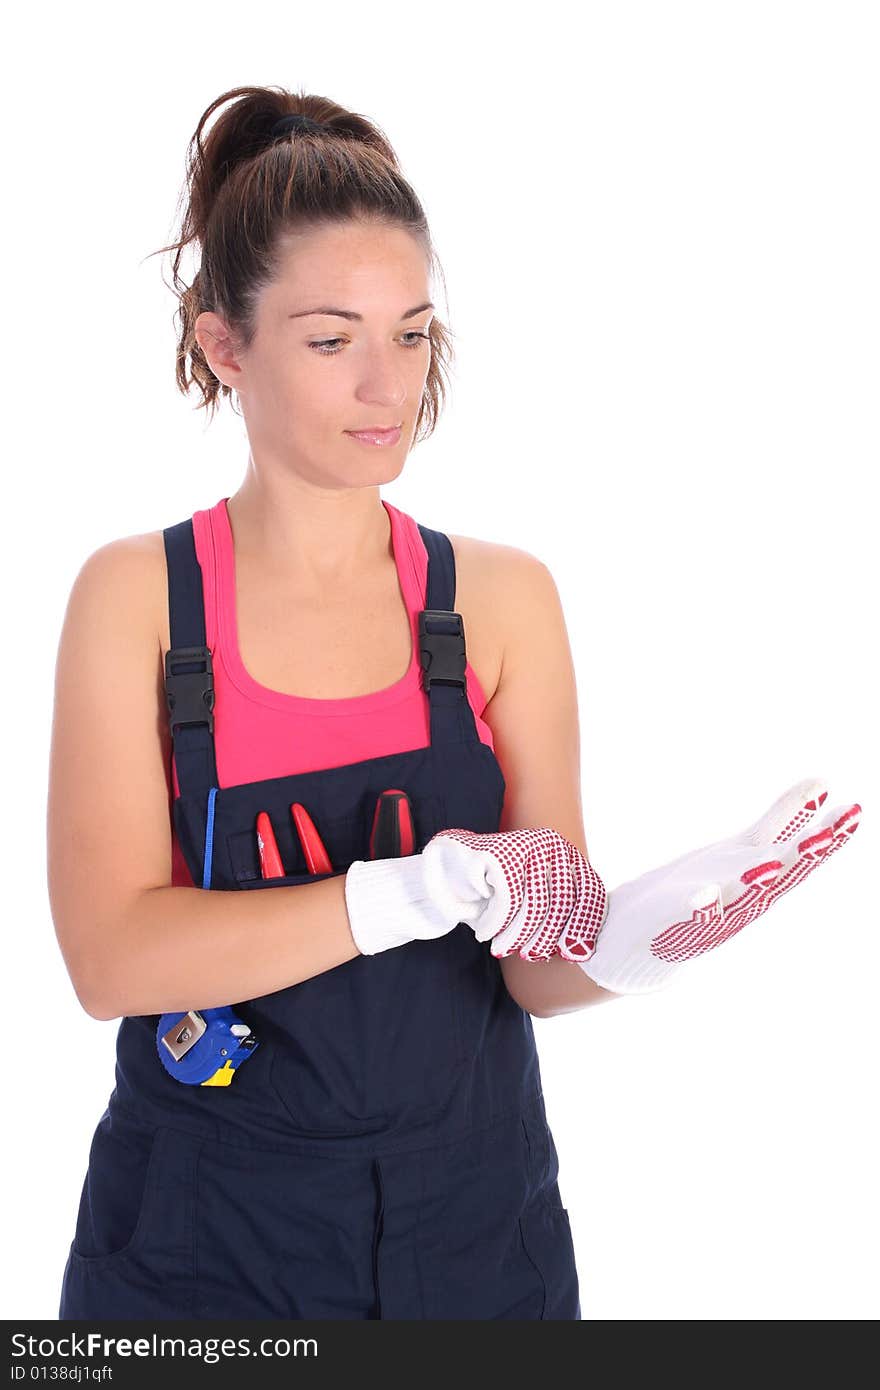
[219, 348]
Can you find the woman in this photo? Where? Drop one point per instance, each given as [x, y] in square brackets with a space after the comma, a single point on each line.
[362, 1134]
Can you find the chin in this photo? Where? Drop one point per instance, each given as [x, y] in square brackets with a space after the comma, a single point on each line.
[377, 471]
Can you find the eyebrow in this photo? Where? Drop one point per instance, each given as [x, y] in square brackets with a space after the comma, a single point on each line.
[350, 314]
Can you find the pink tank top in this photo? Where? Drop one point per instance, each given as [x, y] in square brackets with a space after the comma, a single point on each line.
[260, 733]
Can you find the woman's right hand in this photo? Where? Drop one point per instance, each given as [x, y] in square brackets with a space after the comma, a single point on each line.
[529, 891]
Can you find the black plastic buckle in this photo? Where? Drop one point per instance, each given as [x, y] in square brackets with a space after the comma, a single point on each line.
[442, 654]
[189, 694]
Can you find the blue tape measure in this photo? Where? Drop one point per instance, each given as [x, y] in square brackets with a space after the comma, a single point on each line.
[204, 1048]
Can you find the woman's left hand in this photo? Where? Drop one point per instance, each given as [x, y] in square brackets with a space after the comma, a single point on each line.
[658, 922]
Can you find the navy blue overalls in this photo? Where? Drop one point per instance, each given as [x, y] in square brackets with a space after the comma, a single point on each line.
[384, 1151]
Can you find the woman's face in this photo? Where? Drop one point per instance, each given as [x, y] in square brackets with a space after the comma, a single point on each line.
[309, 377]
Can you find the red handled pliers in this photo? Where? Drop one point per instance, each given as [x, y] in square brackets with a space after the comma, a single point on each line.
[317, 858]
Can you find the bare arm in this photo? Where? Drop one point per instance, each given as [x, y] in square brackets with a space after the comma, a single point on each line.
[132, 943]
[533, 716]
[188, 948]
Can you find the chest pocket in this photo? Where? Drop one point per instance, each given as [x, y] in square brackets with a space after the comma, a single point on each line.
[217, 832]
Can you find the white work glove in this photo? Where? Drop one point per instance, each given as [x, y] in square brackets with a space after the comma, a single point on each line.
[659, 921]
[529, 891]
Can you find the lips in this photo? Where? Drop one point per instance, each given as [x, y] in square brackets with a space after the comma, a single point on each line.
[372, 436]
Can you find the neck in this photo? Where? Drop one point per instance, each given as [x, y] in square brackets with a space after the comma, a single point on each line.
[311, 539]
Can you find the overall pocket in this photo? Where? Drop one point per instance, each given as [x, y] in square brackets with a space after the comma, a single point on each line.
[544, 1226]
[547, 1241]
[132, 1253]
[119, 1184]
[217, 830]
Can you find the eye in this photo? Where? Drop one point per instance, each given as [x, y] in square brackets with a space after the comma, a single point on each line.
[326, 348]
[422, 337]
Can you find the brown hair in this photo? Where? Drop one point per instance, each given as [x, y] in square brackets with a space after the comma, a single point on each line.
[245, 189]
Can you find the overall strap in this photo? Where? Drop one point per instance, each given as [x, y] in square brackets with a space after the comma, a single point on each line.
[189, 672]
[442, 650]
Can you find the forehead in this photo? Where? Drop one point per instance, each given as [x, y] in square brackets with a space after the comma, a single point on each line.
[353, 264]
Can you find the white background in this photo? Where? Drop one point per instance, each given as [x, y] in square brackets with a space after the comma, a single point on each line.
[659, 230]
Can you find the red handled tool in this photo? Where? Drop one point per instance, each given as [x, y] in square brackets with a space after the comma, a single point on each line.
[270, 860]
[392, 835]
[317, 857]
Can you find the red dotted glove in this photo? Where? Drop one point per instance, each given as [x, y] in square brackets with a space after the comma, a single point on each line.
[528, 891]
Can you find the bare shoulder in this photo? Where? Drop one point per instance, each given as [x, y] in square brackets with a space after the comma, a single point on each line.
[130, 554]
[133, 568]
[490, 559]
[497, 588]
[498, 576]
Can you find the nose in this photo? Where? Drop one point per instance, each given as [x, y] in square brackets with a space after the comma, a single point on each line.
[382, 383]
